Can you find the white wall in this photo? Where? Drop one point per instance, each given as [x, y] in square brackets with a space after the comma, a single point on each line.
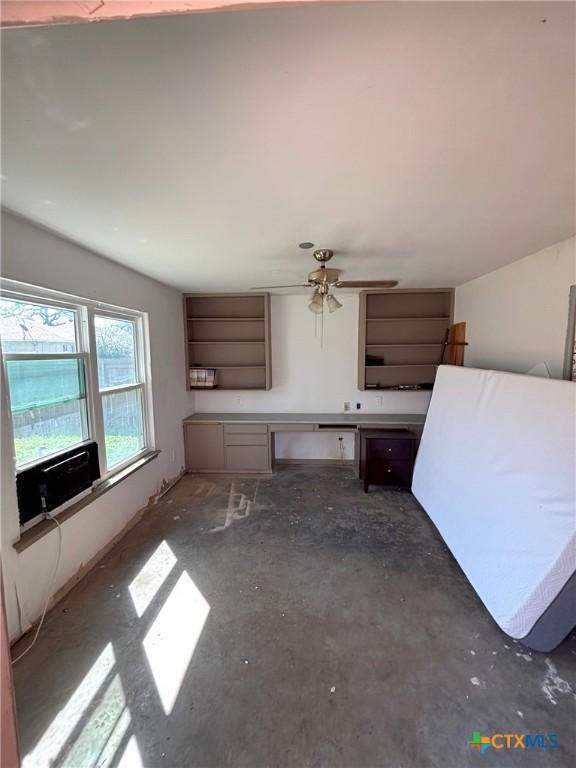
[308, 378]
[33, 255]
[517, 316]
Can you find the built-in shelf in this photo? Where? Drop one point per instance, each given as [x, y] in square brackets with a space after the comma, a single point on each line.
[230, 333]
[401, 336]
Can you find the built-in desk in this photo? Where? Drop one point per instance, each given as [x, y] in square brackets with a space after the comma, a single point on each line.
[244, 442]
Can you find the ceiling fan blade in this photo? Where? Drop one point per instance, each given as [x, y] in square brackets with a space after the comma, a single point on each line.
[270, 287]
[366, 283]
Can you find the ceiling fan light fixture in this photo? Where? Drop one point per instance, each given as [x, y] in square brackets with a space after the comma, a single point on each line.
[316, 304]
[315, 307]
[332, 303]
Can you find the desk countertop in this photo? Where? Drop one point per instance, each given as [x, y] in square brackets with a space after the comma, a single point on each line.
[352, 418]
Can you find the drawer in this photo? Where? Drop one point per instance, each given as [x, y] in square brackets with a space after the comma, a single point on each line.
[391, 473]
[386, 449]
[291, 427]
[247, 457]
[232, 439]
[245, 429]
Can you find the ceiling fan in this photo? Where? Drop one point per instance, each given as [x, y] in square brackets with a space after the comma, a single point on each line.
[324, 280]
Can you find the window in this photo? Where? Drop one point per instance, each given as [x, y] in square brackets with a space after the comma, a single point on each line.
[121, 386]
[75, 371]
[49, 409]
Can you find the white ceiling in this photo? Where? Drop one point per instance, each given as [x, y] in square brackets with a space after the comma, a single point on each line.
[427, 142]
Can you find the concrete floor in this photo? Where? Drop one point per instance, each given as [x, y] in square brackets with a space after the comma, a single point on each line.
[333, 629]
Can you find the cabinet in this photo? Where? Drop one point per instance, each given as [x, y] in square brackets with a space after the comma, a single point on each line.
[387, 457]
[227, 447]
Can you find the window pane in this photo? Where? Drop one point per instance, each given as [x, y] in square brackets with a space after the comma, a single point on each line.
[115, 350]
[48, 403]
[36, 328]
[123, 425]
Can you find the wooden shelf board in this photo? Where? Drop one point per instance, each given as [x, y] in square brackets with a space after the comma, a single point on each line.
[221, 388]
[228, 319]
[387, 319]
[404, 365]
[258, 341]
[400, 346]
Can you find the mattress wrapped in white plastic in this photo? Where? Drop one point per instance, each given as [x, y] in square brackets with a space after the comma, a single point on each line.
[496, 473]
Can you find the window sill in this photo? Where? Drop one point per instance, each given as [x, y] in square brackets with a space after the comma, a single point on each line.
[44, 527]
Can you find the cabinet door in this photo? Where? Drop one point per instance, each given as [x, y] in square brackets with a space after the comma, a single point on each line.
[204, 445]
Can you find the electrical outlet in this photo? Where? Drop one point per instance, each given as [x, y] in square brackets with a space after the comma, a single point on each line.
[358, 406]
[379, 401]
[346, 406]
[239, 400]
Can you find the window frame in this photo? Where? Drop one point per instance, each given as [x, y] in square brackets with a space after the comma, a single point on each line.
[569, 371]
[85, 311]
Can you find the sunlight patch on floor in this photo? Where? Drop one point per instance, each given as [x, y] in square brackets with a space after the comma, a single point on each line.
[61, 728]
[151, 577]
[115, 740]
[94, 740]
[172, 638]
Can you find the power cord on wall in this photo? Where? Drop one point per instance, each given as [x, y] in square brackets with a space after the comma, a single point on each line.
[52, 579]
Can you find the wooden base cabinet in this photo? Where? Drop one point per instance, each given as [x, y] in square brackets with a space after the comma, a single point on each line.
[227, 447]
[387, 457]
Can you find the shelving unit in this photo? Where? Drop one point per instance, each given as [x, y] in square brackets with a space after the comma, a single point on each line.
[231, 333]
[401, 335]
